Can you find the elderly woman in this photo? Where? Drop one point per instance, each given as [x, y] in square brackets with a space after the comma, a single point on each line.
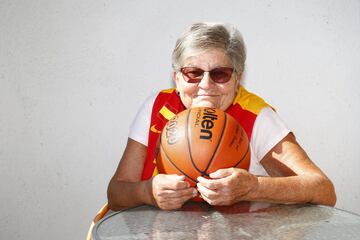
[208, 62]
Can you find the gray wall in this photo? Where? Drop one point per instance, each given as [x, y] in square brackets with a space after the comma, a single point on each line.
[73, 73]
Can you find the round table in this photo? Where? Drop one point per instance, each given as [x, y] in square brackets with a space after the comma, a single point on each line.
[240, 221]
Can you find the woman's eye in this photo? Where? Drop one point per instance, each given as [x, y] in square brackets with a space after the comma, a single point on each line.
[195, 73]
[218, 74]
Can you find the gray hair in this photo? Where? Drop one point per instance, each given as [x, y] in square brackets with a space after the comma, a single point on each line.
[205, 36]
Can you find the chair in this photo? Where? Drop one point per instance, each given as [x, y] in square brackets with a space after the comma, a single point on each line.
[98, 216]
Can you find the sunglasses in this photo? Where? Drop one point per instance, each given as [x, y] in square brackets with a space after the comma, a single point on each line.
[218, 75]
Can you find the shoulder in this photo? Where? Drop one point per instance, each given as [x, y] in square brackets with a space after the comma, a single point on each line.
[250, 101]
[164, 95]
[269, 129]
[140, 124]
[155, 98]
[167, 91]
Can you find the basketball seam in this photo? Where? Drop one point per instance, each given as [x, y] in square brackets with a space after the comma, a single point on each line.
[169, 159]
[247, 151]
[188, 141]
[217, 146]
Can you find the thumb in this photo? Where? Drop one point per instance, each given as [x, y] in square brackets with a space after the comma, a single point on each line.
[221, 173]
[176, 177]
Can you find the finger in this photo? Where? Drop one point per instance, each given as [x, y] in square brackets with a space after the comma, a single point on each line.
[188, 193]
[179, 200]
[211, 183]
[208, 193]
[212, 202]
[179, 185]
[222, 173]
[205, 195]
[215, 197]
[174, 182]
[175, 177]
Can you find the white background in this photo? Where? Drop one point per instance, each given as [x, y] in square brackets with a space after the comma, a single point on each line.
[73, 73]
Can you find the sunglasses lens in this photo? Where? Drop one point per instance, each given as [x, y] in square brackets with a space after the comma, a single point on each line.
[195, 75]
[221, 75]
[192, 74]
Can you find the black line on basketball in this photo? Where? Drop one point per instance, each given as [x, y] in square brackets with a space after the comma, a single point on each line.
[218, 143]
[247, 151]
[188, 141]
[169, 159]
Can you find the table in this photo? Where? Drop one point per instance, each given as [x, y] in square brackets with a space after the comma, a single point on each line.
[241, 221]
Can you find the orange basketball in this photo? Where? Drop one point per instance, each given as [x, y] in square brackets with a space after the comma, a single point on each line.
[199, 141]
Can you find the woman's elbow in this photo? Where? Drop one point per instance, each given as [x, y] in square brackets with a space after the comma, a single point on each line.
[331, 194]
[111, 197]
[325, 192]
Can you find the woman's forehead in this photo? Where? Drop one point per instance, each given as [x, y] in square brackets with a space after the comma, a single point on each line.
[216, 57]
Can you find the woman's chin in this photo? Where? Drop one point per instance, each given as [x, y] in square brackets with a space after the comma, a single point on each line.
[204, 104]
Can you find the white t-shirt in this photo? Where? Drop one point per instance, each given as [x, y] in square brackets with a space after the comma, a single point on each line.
[268, 130]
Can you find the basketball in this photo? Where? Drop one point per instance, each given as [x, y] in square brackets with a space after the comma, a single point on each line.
[199, 141]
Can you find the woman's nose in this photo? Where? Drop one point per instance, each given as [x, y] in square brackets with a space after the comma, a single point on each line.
[206, 81]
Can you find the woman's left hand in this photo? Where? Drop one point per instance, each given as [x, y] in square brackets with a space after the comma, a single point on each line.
[227, 186]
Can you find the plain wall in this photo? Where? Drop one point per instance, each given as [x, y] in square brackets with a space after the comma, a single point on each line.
[73, 74]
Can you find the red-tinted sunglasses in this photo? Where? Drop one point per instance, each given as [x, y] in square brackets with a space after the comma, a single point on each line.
[218, 75]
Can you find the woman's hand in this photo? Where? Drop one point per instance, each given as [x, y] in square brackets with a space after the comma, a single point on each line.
[171, 191]
[227, 186]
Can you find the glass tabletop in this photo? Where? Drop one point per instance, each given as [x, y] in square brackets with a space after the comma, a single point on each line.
[240, 221]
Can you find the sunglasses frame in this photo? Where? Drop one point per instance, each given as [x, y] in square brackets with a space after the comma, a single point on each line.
[211, 72]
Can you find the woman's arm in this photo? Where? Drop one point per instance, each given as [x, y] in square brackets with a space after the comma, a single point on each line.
[294, 178]
[127, 190]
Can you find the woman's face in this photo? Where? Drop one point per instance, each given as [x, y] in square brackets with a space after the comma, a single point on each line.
[207, 93]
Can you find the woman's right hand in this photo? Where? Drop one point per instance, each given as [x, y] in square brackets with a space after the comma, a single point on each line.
[171, 191]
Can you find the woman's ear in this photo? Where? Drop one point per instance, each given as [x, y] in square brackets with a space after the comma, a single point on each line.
[174, 76]
[238, 80]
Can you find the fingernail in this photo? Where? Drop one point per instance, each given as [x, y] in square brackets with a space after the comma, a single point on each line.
[195, 192]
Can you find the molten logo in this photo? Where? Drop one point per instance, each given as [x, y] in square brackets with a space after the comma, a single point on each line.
[207, 123]
[172, 131]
